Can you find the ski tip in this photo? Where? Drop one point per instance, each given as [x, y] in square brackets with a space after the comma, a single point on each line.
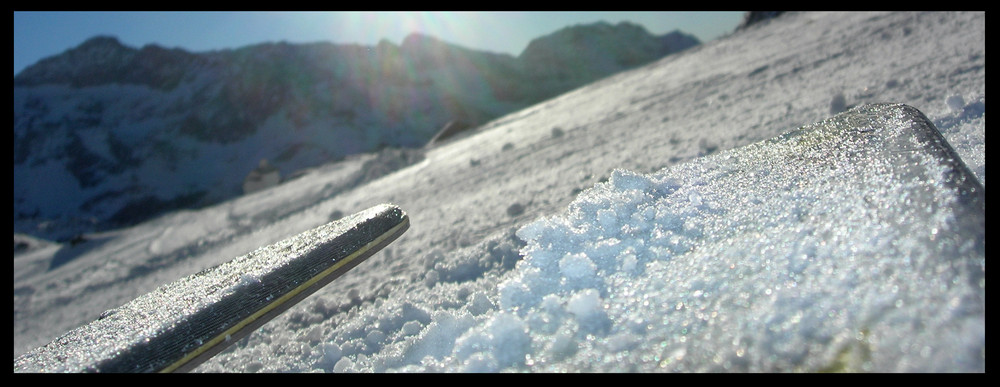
[389, 210]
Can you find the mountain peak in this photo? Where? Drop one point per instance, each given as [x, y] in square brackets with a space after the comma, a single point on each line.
[100, 50]
[101, 41]
[416, 42]
[101, 55]
[104, 59]
[587, 51]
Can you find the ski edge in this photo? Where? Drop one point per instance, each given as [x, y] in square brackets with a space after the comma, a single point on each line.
[286, 301]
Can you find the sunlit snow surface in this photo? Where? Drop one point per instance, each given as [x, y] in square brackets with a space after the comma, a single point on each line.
[850, 245]
[824, 250]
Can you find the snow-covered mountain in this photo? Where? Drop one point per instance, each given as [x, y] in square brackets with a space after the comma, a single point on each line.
[107, 135]
[794, 287]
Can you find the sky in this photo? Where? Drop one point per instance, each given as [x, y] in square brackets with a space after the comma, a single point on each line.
[40, 34]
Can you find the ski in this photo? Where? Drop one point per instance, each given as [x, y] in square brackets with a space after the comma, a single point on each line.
[180, 325]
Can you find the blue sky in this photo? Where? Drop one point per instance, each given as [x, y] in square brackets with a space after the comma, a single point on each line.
[42, 34]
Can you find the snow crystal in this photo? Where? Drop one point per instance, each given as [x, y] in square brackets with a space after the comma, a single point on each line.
[955, 102]
[576, 268]
[586, 305]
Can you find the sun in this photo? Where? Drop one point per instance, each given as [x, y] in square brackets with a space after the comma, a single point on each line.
[371, 27]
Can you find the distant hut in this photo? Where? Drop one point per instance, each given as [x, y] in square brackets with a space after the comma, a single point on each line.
[264, 176]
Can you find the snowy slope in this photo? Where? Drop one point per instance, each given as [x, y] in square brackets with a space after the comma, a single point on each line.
[434, 300]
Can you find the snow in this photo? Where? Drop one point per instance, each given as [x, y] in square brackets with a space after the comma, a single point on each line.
[642, 265]
[608, 229]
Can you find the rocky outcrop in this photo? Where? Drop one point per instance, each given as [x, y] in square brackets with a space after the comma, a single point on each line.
[755, 17]
[264, 176]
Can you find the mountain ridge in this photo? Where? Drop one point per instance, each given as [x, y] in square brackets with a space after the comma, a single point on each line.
[122, 134]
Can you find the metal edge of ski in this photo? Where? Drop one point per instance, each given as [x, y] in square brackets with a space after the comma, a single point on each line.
[181, 324]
